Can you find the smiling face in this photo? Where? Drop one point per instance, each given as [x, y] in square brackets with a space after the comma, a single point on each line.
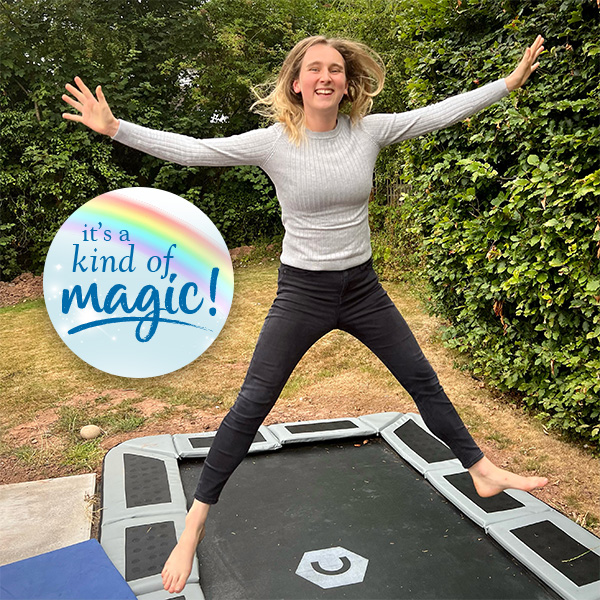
[321, 83]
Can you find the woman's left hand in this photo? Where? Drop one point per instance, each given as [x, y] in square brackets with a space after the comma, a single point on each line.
[527, 65]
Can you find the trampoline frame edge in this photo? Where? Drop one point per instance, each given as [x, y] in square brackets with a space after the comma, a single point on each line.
[377, 424]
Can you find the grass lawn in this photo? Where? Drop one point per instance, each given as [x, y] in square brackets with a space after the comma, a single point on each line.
[48, 393]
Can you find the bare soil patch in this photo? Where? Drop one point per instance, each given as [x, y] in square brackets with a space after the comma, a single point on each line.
[22, 288]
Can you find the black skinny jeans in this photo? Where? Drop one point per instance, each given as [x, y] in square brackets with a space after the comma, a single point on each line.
[308, 305]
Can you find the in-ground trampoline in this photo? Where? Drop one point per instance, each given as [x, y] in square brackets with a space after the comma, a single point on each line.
[369, 507]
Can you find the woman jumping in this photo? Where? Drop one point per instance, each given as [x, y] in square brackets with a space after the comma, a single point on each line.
[321, 163]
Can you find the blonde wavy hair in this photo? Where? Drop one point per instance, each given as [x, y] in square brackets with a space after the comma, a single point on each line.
[365, 75]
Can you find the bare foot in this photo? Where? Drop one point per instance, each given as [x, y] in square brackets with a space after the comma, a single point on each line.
[490, 480]
[178, 567]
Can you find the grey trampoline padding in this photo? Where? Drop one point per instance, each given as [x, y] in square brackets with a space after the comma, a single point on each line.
[328, 429]
[457, 486]
[141, 484]
[198, 444]
[344, 511]
[410, 437]
[155, 445]
[139, 548]
[379, 421]
[551, 545]
[191, 591]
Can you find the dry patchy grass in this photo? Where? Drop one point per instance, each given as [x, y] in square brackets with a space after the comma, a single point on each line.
[48, 393]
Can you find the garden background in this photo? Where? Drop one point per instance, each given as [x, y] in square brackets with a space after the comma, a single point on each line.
[500, 213]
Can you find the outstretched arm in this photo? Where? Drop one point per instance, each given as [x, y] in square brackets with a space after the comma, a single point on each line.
[96, 114]
[386, 129]
[250, 148]
[527, 65]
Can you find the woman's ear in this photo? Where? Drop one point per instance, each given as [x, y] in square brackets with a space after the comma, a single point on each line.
[296, 86]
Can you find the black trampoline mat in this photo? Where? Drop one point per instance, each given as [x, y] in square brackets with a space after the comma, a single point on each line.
[359, 496]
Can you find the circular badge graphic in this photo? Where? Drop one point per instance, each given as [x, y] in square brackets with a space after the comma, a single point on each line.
[138, 282]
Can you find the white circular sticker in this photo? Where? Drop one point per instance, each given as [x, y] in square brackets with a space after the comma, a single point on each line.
[138, 282]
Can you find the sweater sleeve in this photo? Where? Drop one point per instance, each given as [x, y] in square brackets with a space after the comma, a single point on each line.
[386, 129]
[250, 148]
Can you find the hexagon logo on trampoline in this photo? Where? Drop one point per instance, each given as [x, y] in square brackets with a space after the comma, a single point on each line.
[332, 567]
[138, 282]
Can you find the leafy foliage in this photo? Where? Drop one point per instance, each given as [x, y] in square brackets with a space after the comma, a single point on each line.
[178, 66]
[509, 201]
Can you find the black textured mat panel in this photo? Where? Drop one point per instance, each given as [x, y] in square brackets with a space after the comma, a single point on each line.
[565, 554]
[310, 427]
[206, 441]
[202, 442]
[146, 481]
[463, 483]
[424, 444]
[147, 548]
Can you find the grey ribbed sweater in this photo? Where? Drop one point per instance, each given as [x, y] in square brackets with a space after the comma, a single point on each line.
[323, 185]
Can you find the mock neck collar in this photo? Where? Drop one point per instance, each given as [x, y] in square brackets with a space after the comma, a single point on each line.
[326, 134]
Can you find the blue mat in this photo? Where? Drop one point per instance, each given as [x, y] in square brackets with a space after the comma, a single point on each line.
[78, 572]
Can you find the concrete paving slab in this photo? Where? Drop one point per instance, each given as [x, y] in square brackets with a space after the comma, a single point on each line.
[40, 516]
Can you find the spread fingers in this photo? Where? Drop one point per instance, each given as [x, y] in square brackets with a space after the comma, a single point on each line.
[83, 87]
[73, 103]
[73, 90]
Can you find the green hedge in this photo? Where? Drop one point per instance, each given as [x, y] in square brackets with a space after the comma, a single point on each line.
[166, 65]
[508, 202]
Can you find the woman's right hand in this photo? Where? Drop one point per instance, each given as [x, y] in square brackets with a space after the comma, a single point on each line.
[96, 114]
